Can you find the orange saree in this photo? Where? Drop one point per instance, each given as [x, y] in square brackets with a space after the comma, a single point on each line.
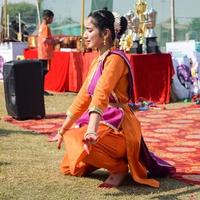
[117, 150]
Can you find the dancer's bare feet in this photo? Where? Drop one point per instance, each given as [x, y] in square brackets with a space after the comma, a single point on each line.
[113, 180]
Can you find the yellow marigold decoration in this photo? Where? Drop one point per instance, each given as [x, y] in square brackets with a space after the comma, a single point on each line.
[126, 42]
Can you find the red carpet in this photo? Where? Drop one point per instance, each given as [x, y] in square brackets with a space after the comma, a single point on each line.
[173, 134]
[49, 125]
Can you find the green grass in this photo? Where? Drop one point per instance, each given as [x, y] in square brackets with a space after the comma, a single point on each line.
[29, 168]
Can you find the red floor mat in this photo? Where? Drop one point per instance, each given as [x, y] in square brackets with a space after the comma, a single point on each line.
[172, 134]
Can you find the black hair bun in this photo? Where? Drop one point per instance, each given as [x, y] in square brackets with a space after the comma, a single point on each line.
[120, 24]
[123, 25]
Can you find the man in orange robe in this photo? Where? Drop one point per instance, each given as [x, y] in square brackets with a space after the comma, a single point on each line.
[45, 42]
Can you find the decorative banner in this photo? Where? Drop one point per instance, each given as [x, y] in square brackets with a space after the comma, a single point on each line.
[100, 4]
[180, 49]
[9, 51]
[186, 61]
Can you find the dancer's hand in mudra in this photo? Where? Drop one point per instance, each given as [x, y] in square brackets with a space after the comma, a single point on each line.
[89, 138]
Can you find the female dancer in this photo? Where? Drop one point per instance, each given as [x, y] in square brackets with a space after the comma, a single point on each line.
[107, 133]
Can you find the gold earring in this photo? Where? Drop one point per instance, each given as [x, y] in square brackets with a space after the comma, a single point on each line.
[104, 42]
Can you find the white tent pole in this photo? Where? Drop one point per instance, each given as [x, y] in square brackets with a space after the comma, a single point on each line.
[20, 27]
[173, 34]
[38, 11]
[82, 16]
[5, 17]
[8, 27]
[82, 21]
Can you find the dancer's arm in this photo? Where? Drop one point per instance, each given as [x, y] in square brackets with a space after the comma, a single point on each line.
[90, 136]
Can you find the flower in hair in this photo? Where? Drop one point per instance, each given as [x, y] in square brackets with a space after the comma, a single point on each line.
[126, 42]
[117, 25]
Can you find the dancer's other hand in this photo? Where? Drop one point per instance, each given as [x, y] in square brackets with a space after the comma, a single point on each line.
[89, 138]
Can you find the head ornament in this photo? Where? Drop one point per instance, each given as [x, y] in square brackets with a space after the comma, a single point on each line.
[117, 25]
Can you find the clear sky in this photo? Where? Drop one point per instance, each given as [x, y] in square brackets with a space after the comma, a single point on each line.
[184, 8]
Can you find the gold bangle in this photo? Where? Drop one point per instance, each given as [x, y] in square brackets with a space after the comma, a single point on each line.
[61, 132]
